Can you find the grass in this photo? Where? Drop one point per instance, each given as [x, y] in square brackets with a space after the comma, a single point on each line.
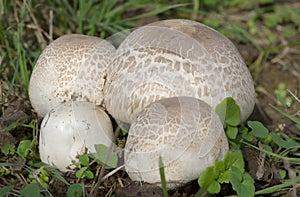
[26, 27]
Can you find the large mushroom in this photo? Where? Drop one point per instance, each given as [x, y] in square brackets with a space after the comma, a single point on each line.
[73, 67]
[72, 129]
[176, 58]
[186, 132]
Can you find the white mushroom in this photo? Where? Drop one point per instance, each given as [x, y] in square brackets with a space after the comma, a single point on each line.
[73, 67]
[72, 129]
[185, 131]
[176, 58]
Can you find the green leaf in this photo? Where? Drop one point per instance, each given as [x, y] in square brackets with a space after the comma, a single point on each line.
[210, 179]
[4, 191]
[101, 154]
[214, 187]
[80, 173]
[242, 183]
[75, 190]
[271, 19]
[224, 177]
[89, 174]
[229, 112]
[31, 190]
[246, 134]
[231, 132]
[84, 160]
[234, 158]
[206, 177]
[258, 129]
[24, 148]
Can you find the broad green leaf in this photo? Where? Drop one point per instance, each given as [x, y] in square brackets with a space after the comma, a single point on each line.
[75, 190]
[206, 177]
[84, 160]
[221, 111]
[246, 134]
[24, 148]
[31, 190]
[214, 187]
[229, 112]
[242, 183]
[224, 177]
[231, 132]
[258, 129]
[4, 190]
[89, 174]
[219, 166]
[234, 158]
[282, 173]
[101, 154]
[80, 173]
[220, 172]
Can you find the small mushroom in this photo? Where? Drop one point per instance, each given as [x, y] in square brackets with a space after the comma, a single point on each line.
[72, 129]
[73, 67]
[186, 132]
[176, 58]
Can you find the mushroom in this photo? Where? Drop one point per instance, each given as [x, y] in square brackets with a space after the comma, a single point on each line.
[73, 67]
[72, 129]
[185, 131]
[176, 58]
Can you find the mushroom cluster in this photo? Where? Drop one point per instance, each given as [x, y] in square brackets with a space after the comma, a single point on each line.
[66, 88]
[165, 79]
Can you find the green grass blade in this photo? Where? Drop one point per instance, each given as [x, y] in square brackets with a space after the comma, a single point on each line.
[291, 117]
[162, 177]
[270, 190]
[291, 159]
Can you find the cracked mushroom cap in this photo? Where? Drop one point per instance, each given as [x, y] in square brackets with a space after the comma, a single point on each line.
[185, 131]
[72, 129]
[176, 58]
[73, 67]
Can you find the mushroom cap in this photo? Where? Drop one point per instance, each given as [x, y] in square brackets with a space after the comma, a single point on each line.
[185, 131]
[72, 129]
[73, 67]
[176, 58]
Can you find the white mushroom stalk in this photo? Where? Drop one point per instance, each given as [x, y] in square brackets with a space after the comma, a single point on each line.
[186, 132]
[72, 129]
[73, 67]
[176, 58]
